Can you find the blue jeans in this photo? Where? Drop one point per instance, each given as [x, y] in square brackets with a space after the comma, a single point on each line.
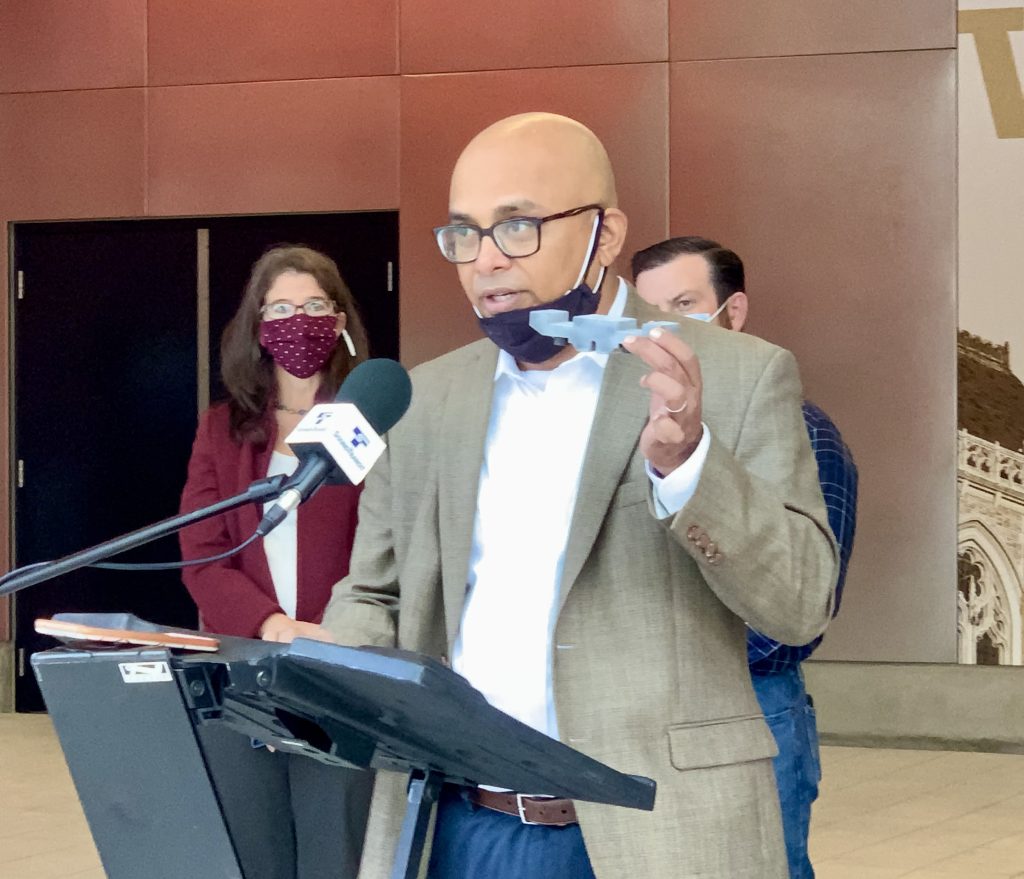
[790, 715]
[471, 842]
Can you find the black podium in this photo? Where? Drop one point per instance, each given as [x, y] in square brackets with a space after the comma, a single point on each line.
[127, 719]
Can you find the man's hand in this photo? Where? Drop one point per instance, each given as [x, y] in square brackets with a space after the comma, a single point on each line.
[674, 427]
[281, 627]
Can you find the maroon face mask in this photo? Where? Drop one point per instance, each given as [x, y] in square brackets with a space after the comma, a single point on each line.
[300, 344]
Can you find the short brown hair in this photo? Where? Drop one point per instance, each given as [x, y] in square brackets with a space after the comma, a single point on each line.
[248, 370]
[727, 276]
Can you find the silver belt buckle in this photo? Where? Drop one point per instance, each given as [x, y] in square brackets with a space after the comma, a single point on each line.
[520, 805]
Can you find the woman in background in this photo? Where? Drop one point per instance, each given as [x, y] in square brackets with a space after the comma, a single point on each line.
[294, 338]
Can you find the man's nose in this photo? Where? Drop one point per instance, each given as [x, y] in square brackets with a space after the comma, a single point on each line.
[490, 258]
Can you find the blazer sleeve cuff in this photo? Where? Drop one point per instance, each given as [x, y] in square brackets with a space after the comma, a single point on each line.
[673, 492]
[360, 624]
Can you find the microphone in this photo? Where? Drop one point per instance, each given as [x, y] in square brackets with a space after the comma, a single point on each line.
[339, 442]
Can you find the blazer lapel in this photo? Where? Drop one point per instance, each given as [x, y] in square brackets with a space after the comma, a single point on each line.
[253, 463]
[467, 411]
[619, 419]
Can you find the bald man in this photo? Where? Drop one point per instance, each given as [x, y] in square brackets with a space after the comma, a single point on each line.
[584, 535]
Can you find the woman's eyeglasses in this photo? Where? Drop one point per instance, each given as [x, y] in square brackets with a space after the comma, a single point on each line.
[282, 309]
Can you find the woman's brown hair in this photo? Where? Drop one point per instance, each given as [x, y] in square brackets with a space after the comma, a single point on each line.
[248, 371]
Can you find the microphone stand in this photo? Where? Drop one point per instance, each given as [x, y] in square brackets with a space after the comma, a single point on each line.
[30, 575]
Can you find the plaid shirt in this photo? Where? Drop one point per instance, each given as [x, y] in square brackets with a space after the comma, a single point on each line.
[838, 476]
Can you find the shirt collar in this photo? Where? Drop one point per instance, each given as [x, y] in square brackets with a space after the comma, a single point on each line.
[507, 365]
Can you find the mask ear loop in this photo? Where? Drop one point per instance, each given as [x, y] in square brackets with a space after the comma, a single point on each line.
[349, 343]
[591, 253]
[720, 308]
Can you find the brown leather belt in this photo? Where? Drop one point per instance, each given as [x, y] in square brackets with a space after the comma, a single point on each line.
[529, 810]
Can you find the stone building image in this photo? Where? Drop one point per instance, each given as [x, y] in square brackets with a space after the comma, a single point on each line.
[990, 484]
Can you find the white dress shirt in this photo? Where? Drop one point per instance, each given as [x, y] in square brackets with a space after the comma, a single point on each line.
[533, 456]
[282, 544]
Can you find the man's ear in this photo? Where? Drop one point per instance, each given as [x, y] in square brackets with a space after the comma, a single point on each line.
[613, 236]
[736, 308]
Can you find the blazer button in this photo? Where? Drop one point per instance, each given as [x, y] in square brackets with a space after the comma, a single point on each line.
[693, 532]
[715, 558]
[703, 541]
[710, 549]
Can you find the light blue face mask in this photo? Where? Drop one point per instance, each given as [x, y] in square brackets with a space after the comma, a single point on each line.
[707, 318]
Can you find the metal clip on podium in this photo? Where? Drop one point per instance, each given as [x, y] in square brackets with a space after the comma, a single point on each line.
[127, 718]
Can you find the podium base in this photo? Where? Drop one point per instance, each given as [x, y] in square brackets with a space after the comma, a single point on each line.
[423, 793]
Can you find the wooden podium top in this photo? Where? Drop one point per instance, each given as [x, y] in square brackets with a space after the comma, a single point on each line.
[80, 633]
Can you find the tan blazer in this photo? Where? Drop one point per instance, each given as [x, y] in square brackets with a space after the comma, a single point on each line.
[650, 661]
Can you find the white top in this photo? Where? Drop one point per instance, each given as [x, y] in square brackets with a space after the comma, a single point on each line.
[533, 455]
[282, 544]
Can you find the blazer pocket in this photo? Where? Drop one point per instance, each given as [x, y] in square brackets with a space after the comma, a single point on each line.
[720, 742]
[631, 493]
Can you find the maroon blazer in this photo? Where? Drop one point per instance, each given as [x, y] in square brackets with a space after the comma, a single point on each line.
[236, 595]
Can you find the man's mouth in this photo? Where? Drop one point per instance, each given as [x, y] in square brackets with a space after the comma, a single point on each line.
[501, 299]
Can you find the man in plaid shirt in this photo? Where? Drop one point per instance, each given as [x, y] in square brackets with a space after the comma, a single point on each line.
[701, 279]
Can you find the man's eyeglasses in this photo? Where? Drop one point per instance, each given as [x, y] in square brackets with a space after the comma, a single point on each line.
[515, 237]
[282, 309]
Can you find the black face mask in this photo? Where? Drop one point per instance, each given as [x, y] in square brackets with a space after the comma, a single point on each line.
[511, 330]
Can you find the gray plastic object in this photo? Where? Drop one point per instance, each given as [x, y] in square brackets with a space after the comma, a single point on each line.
[592, 332]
